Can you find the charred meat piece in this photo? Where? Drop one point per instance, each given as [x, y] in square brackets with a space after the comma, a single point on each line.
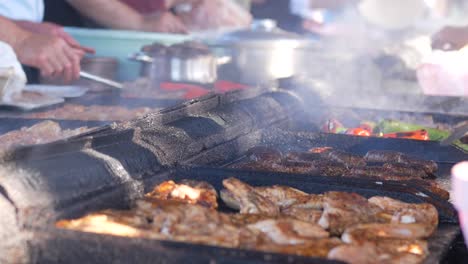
[380, 173]
[192, 192]
[264, 154]
[303, 156]
[250, 202]
[284, 166]
[406, 213]
[384, 156]
[376, 231]
[288, 231]
[342, 210]
[407, 169]
[330, 168]
[347, 159]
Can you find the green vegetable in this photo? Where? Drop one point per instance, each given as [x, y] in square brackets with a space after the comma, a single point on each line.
[393, 126]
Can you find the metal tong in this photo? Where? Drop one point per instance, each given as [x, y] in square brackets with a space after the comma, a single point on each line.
[92, 77]
[457, 133]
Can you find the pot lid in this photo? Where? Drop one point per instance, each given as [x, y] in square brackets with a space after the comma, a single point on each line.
[261, 32]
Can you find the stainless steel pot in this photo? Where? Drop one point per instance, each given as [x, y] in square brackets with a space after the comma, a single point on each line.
[264, 52]
[196, 66]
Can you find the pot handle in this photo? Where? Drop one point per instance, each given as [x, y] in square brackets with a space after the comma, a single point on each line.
[141, 57]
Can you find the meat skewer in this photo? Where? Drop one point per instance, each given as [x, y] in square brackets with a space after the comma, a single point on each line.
[349, 160]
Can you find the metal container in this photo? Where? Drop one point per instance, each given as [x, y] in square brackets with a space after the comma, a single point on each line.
[264, 52]
[187, 62]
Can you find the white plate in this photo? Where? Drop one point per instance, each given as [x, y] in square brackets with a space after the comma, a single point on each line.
[56, 90]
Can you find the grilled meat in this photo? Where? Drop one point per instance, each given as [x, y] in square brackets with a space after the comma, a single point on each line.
[384, 251]
[250, 202]
[264, 154]
[313, 248]
[282, 196]
[383, 156]
[192, 223]
[330, 168]
[347, 159]
[289, 231]
[406, 169]
[375, 231]
[193, 192]
[302, 213]
[109, 222]
[343, 210]
[303, 156]
[380, 173]
[406, 213]
[284, 166]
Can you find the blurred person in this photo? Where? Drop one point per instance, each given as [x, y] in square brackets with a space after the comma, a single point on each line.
[52, 54]
[198, 15]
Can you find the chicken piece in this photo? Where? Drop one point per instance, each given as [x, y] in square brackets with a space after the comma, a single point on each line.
[264, 154]
[192, 192]
[384, 251]
[302, 213]
[250, 202]
[284, 167]
[406, 213]
[375, 231]
[109, 222]
[347, 159]
[312, 248]
[355, 254]
[282, 196]
[242, 220]
[179, 221]
[288, 231]
[229, 199]
[343, 210]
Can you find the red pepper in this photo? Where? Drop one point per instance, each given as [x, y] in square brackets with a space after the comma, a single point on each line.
[358, 132]
[417, 135]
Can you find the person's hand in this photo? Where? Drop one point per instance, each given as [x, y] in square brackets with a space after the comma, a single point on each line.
[163, 22]
[55, 30]
[450, 38]
[53, 56]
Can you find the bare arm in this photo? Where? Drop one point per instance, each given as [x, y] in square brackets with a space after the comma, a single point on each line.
[11, 33]
[112, 14]
[52, 55]
[117, 15]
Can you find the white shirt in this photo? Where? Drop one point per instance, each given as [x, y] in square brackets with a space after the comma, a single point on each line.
[30, 10]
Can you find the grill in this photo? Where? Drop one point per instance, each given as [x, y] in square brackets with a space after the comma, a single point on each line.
[112, 166]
